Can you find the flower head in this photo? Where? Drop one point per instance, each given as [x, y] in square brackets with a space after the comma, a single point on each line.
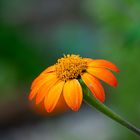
[61, 80]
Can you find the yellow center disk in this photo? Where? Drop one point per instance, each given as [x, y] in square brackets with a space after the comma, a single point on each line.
[70, 67]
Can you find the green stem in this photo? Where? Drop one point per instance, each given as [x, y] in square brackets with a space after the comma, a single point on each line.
[93, 102]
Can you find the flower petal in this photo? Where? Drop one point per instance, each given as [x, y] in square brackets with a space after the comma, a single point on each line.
[32, 94]
[100, 63]
[39, 78]
[73, 94]
[36, 86]
[88, 59]
[94, 85]
[43, 91]
[43, 74]
[44, 78]
[104, 75]
[49, 69]
[53, 96]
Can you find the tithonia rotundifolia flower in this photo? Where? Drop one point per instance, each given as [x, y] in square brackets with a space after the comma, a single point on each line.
[62, 80]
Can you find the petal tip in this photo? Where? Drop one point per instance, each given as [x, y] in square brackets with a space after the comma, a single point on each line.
[102, 99]
[37, 101]
[118, 71]
[48, 109]
[115, 84]
[75, 109]
[30, 97]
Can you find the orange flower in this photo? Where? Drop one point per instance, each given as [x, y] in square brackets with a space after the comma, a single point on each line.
[61, 79]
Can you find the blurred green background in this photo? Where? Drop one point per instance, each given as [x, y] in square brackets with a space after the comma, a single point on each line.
[34, 33]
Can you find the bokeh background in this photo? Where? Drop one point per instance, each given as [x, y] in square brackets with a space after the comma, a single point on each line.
[34, 33]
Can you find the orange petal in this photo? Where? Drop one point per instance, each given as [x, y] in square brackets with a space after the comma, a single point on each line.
[43, 91]
[94, 85]
[49, 69]
[88, 59]
[103, 64]
[73, 94]
[39, 83]
[32, 94]
[104, 75]
[43, 74]
[37, 80]
[43, 79]
[53, 96]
